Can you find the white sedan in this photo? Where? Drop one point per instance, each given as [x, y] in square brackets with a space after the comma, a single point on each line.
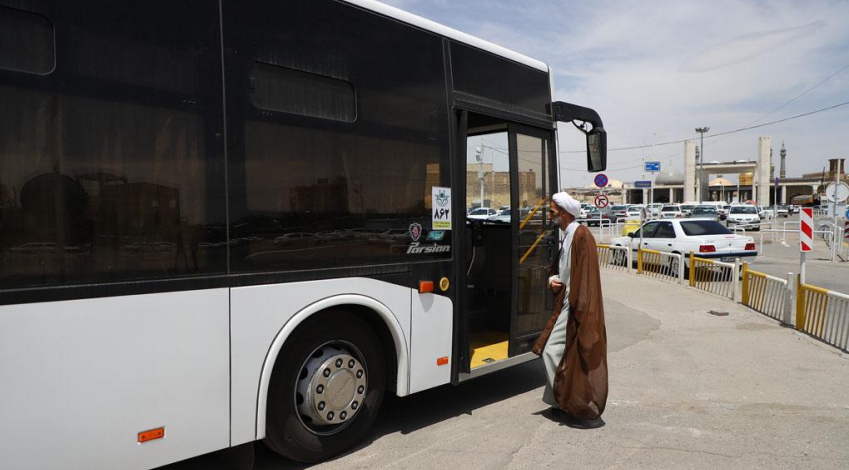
[706, 238]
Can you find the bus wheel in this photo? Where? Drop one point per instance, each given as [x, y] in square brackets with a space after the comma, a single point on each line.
[326, 388]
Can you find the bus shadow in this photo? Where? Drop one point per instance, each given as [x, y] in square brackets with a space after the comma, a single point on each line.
[404, 415]
[415, 412]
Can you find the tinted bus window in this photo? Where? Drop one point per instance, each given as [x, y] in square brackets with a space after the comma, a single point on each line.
[311, 193]
[110, 171]
[292, 91]
[26, 42]
[483, 74]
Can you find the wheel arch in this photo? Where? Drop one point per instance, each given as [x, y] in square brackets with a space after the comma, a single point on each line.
[376, 314]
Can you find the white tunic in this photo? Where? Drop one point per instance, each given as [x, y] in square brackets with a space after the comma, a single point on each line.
[556, 345]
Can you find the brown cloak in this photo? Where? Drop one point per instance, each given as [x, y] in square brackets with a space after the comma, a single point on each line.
[580, 382]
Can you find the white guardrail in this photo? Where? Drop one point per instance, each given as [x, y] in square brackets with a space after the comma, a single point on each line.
[766, 294]
[823, 314]
[660, 265]
[616, 258]
[715, 277]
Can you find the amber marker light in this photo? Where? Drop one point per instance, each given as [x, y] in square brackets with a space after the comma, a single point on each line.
[151, 435]
[425, 286]
[442, 361]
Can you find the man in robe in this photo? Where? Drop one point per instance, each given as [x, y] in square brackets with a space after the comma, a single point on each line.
[573, 345]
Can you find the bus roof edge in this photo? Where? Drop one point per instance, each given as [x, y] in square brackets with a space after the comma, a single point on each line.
[451, 33]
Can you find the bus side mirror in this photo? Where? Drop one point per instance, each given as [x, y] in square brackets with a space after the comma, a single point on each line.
[596, 150]
[596, 138]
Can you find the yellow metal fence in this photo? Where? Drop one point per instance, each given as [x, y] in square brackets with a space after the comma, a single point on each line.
[713, 276]
[823, 314]
[766, 294]
[820, 313]
[660, 265]
[613, 257]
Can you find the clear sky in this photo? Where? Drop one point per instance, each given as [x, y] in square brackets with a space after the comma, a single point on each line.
[657, 70]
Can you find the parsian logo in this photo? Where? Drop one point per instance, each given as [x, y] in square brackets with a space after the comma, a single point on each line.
[415, 231]
[417, 248]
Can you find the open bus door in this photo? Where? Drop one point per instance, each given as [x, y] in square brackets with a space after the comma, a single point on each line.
[506, 171]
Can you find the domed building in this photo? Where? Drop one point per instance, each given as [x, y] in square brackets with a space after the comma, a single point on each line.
[670, 177]
[668, 186]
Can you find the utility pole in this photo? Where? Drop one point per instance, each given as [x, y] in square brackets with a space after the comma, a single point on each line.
[702, 130]
[479, 156]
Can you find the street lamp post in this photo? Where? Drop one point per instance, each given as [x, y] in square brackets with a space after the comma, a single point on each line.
[479, 156]
[702, 130]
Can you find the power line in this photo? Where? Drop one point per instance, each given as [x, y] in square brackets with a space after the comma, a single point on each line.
[746, 128]
[796, 97]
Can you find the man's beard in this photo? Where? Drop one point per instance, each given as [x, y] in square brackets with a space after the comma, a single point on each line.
[558, 220]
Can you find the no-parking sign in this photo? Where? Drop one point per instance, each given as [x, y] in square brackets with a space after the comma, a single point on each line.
[600, 180]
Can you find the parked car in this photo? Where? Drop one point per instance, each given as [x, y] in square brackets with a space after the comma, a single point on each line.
[295, 238]
[782, 211]
[744, 214]
[765, 212]
[706, 238]
[620, 211]
[481, 213]
[654, 209]
[705, 212]
[598, 216]
[671, 211]
[634, 211]
[687, 209]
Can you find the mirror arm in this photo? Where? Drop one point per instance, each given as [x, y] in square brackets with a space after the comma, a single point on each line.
[565, 112]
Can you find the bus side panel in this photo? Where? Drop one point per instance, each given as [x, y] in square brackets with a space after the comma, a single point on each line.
[433, 323]
[259, 313]
[80, 379]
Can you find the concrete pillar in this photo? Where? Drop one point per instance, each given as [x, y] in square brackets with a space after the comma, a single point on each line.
[762, 172]
[783, 199]
[689, 171]
[672, 196]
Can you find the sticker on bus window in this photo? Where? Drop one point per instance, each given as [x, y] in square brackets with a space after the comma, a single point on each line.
[435, 236]
[441, 208]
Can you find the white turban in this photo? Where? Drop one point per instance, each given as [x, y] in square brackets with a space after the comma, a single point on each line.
[567, 203]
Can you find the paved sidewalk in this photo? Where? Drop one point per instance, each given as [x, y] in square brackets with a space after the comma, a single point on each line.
[687, 390]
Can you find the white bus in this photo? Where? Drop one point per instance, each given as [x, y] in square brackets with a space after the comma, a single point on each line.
[223, 222]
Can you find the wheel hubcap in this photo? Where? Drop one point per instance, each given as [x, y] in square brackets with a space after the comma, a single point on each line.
[331, 387]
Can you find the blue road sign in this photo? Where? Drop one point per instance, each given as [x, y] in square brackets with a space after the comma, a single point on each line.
[600, 180]
[642, 184]
[653, 167]
[847, 215]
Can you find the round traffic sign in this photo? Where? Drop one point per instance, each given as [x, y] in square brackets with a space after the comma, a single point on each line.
[600, 180]
[601, 201]
[837, 192]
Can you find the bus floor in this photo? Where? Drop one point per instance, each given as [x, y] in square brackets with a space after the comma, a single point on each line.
[487, 347]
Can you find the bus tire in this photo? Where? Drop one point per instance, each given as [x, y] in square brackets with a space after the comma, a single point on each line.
[322, 362]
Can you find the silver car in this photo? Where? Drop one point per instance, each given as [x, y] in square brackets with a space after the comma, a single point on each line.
[744, 214]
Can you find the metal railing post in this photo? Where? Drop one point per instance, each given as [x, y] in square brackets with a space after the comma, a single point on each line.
[630, 258]
[735, 277]
[640, 260]
[788, 300]
[692, 269]
[681, 269]
[744, 296]
[800, 305]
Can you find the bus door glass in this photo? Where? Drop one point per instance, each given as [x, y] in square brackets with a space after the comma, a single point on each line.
[488, 247]
[530, 149]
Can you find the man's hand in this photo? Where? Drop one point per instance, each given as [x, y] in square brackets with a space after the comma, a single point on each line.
[555, 286]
